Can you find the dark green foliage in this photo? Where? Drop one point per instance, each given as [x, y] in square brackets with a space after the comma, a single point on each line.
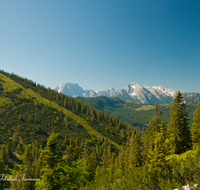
[3, 171]
[131, 112]
[196, 128]
[52, 155]
[74, 159]
[134, 151]
[178, 128]
[155, 125]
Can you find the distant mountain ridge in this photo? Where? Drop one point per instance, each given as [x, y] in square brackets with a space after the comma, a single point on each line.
[75, 90]
[134, 91]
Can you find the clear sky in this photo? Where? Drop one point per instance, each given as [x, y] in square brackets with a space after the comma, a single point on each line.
[102, 43]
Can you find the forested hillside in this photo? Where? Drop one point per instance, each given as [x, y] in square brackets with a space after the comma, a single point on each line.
[134, 113]
[30, 113]
[52, 141]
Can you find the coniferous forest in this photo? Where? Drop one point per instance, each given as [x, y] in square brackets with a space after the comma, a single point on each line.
[51, 141]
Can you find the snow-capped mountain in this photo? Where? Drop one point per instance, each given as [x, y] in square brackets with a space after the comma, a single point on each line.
[75, 90]
[133, 91]
[147, 94]
[70, 89]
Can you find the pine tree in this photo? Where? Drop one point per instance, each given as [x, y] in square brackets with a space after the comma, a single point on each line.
[3, 154]
[159, 168]
[93, 162]
[196, 128]
[59, 174]
[65, 102]
[144, 147]
[121, 158]
[154, 127]
[28, 170]
[52, 156]
[52, 151]
[133, 155]
[178, 128]
[86, 151]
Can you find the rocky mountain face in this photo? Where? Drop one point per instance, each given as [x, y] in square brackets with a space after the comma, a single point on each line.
[147, 94]
[192, 98]
[134, 91]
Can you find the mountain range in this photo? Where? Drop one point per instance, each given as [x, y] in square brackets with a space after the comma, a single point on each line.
[134, 91]
[75, 90]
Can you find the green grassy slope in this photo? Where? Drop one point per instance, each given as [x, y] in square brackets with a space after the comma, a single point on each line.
[16, 100]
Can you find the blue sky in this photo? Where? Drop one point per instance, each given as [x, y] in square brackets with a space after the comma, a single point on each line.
[102, 43]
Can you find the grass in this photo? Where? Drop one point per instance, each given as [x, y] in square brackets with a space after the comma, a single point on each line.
[9, 84]
[130, 101]
[145, 107]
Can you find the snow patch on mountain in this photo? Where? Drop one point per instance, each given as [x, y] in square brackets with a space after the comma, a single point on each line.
[75, 90]
[133, 91]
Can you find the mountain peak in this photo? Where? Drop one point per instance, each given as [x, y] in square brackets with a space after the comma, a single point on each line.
[75, 90]
[135, 84]
[133, 91]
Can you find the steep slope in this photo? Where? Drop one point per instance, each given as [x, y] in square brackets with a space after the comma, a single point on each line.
[17, 98]
[25, 113]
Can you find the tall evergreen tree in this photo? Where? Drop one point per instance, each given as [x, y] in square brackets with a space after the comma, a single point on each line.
[59, 174]
[159, 168]
[52, 151]
[28, 170]
[93, 162]
[196, 128]
[3, 153]
[133, 155]
[155, 126]
[52, 156]
[179, 137]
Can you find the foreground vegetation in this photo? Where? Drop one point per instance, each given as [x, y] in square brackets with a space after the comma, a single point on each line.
[52, 141]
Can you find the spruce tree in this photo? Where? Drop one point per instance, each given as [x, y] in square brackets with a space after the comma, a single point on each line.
[154, 127]
[52, 156]
[178, 128]
[3, 154]
[196, 128]
[27, 169]
[93, 162]
[134, 157]
[52, 152]
[159, 168]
